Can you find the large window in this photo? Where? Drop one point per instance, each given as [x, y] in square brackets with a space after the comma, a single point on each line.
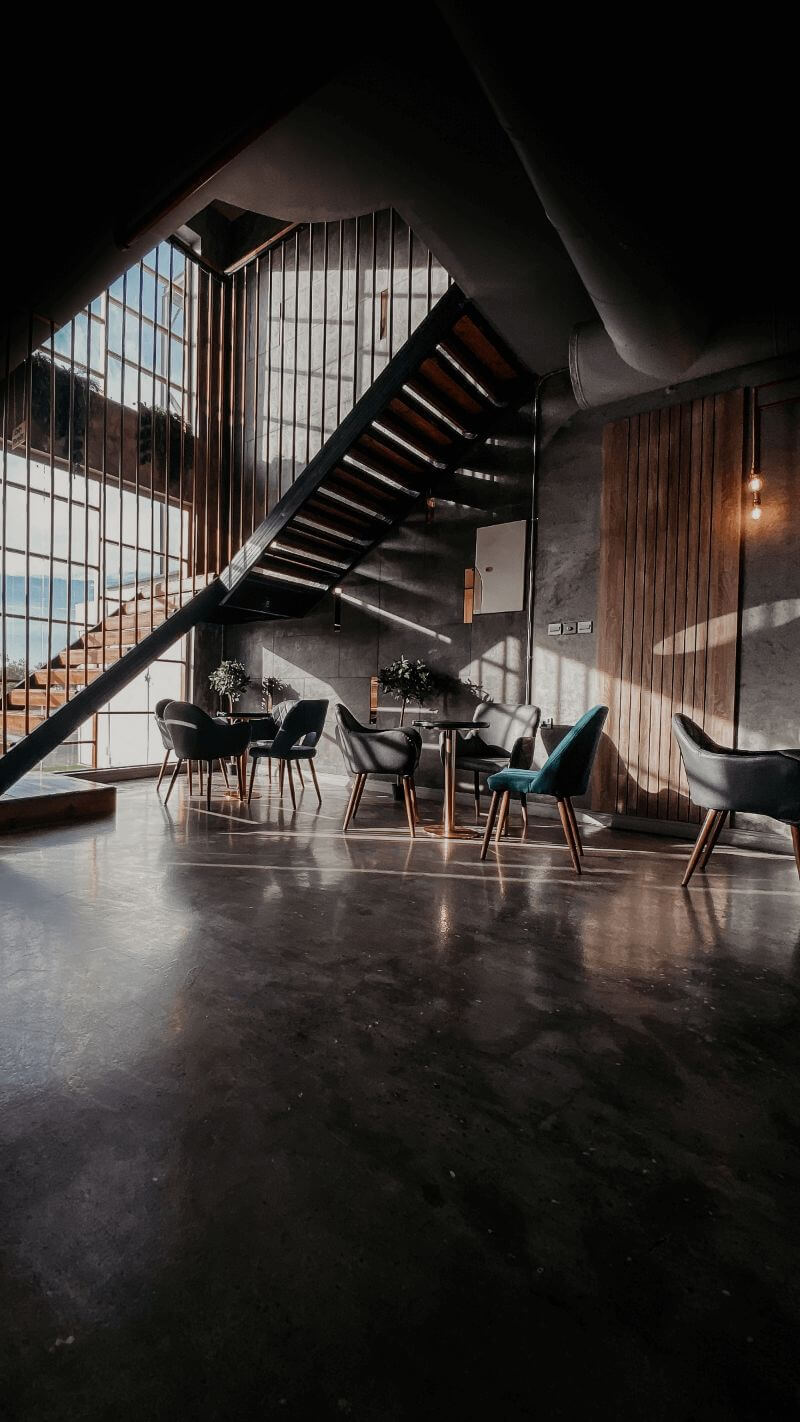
[99, 517]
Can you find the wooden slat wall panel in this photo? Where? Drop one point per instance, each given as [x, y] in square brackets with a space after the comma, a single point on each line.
[669, 594]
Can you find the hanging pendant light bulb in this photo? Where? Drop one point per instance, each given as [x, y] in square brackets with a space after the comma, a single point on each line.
[755, 481]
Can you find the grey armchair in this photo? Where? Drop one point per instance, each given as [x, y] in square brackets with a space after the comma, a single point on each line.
[724, 780]
[299, 729]
[368, 751]
[507, 743]
[196, 736]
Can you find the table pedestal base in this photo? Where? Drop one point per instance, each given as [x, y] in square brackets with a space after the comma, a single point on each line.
[443, 831]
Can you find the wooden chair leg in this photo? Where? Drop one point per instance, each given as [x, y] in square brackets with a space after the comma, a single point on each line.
[414, 797]
[290, 778]
[281, 776]
[241, 776]
[409, 807]
[162, 770]
[298, 767]
[312, 768]
[796, 845]
[359, 793]
[712, 839]
[573, 819]
[252, 777]
[566, 825]
[699, 845]
[490, 819]
[523, 804]
[476, 780]
[505, 806]
[191, 783]
[175, 773]
[348, 814]
[224, 769]
[208, 787]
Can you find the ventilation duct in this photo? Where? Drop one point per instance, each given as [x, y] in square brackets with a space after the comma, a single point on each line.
[600, 377]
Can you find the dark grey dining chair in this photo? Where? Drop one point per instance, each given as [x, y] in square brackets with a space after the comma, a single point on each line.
[506, 743]
[367, 751]
[166, 741]
[722, 780]
[295, 742]
[197, 736]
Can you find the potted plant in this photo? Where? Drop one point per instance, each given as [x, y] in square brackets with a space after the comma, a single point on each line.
[271, 686]
[229, 681]
[409, 681]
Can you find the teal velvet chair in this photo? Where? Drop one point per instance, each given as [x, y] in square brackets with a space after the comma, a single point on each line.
[565, 773]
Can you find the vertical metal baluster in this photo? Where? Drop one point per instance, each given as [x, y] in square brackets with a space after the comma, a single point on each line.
[282, 336]
[102, 558]
[340, 323]
[256, 354]
[208, 289]
[391, 282]
[221, 293]
[356, 295]
[168, 437]
[70, 479]
[268, 406]
[242, 411]
[374, 298]
[121, 551]
[49, 657]
[153, 445]
[410, 278]
[28, 397]
[324, 333]
[296, 348]
[310, 334]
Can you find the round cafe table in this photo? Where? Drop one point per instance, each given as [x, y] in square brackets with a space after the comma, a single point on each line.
[448, 829]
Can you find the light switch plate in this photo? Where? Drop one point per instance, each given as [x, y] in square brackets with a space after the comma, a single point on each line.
[585, 626]
[570, 627]
[554, 629]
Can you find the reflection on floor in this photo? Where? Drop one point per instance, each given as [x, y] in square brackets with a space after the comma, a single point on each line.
[303, 1127]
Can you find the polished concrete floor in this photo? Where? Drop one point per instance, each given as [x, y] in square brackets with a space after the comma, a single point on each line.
[300, 1127]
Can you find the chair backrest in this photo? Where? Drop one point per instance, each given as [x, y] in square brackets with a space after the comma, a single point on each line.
[720, 778]
[568, 768]
[511, 728]
[303, 723]
[347, 721]
[281, 710]
[189, 729]
[166, 738]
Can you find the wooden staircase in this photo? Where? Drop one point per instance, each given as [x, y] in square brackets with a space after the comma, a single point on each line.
[34, 699]
[442, 393]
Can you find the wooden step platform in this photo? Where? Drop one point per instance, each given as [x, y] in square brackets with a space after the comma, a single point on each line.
[41, 799]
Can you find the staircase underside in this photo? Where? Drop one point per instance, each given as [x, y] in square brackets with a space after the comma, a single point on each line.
[442, 393]
[440, 396]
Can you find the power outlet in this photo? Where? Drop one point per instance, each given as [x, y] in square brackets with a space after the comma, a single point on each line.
[569, 627]
[585, 626]
[554, 629]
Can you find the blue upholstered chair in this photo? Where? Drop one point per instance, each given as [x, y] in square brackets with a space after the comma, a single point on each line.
[565, 773]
